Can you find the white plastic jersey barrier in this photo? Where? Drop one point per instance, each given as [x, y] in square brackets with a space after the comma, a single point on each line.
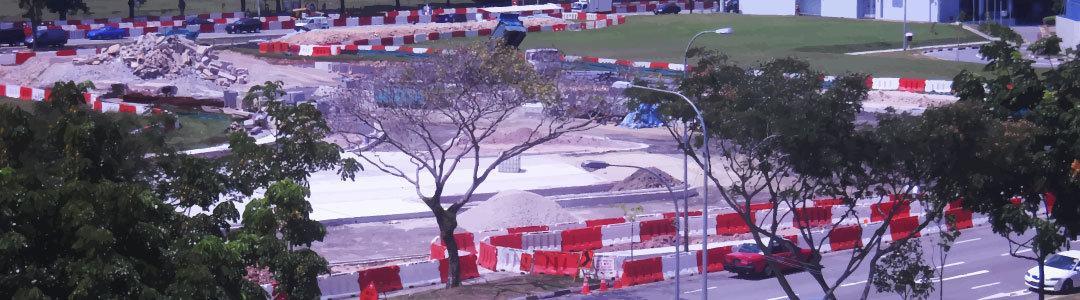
[939, 86]
[37, 94]
[687, 264]
[621, 233]
[509, 260]
[12, 91]
[541, 241]
[886, 84]
[420, 274]
[695, 224]
[566, 226]
[615, 261]
[306, 50]
[339, 285]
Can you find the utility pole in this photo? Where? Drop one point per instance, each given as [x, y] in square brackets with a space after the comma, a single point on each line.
[905, 26]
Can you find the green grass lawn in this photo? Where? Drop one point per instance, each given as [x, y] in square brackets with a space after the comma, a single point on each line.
[822, 41]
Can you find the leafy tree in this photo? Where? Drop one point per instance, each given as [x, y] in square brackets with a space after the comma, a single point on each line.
[64, 7]
[1046, 46]
[904, 272]
[448, 110]
[779, 136]
[1030, 155]
[97, 205]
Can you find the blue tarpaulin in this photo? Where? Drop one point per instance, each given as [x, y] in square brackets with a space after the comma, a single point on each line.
[645, 116]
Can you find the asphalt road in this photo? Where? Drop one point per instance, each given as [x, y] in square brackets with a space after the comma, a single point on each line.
[978, 267]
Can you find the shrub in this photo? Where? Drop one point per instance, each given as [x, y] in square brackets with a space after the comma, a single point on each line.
[1050, 45]
[1050, 20]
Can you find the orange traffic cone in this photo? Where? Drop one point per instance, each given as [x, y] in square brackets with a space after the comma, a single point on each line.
[369, 292]
[603, 285]
[585, 287]
[618, 284]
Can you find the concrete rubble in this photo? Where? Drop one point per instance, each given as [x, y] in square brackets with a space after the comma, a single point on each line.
[153, 56]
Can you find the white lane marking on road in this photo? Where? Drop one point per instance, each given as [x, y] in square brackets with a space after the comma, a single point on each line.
[713, 287]
[694, 291]
[967, 241]
[1017, 252]
[1017, 293]
[976, 273]
[852, 283]
[986, 285]
[781, 297]
[951, 265]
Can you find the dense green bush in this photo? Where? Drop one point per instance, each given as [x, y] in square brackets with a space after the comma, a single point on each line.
[1003, 32]
[1050, 21]
[1050, 45]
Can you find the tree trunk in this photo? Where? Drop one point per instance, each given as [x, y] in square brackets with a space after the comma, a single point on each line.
[447, 224]
[397, 4]
[870, 276]
[277, 4]
[1042, 277]
[131, 9]
[341, 8]
[63, 14]
[243, 6]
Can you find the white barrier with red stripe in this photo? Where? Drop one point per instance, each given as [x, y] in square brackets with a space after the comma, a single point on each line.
[35, 94]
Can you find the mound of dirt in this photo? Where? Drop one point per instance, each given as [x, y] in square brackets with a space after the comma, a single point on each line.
[645, 180]
[513, 208]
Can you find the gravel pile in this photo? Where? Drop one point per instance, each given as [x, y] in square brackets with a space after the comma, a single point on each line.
[645, 180]
[513, 208]
[155, 56]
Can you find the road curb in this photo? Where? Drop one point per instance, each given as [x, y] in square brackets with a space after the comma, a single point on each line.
[554, 294]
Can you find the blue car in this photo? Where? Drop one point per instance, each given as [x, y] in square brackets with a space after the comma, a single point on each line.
[191, 35]
[106, 33]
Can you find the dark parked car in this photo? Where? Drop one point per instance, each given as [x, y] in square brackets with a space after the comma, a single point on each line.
[49, 37]
[669, 9]
[244, 25]
[191, 35]
[196, 21]
[12, 36]
[106, 33]
[451, 18]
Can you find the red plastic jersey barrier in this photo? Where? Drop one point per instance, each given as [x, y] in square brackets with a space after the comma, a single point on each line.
[525, 229]
[655, 228]
[962, 217]
[556, 263]
[731, 224]
[917, 85]
[812, 216]
[581, 239]
[467, 265]
[900, 228]
[846, 237]
[878, 211]
[489, 256]
[642, 271]
[716, 258]
[669, 215]
[602, 222]
[385, 278]
[508, 240]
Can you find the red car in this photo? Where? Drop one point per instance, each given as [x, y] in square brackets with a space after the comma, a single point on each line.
[749, 259]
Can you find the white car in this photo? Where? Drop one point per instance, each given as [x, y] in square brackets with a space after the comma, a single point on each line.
[312, 23]
[1062, 272]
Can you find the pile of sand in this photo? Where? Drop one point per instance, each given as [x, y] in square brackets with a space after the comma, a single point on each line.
[513, 208]
[900, 99]
[642, 179]
[345, 35]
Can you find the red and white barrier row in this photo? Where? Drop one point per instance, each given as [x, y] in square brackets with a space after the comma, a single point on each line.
[917, 85]
[397, 277]
[35, 94]
[145, 19]
[627, 63]
[17, 58]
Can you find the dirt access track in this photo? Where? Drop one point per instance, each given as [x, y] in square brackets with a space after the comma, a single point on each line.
[345, 35]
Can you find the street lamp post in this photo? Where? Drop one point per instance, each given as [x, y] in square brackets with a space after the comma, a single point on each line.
[705, 181]
[597, 165]
[686, 135]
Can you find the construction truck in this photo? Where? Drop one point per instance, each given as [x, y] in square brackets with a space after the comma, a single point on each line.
[591, 6]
